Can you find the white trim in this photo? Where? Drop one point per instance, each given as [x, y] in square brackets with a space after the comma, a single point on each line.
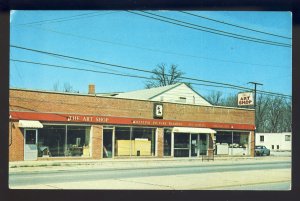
[192, 130]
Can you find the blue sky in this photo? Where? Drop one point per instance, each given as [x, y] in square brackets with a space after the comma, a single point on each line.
[123, 38]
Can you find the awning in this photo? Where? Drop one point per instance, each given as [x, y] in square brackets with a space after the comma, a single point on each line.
[30, 124]
[192, 130]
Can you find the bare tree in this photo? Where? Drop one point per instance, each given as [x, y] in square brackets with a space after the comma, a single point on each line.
[275, 114]
[262, 103]
[286, 124]
[215, 98]
[163, 76]
[66, 88]
[56, 86]
[231, 101]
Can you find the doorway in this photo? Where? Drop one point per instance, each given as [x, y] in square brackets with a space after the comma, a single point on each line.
[198, 144]
[107, 143]
[30, 145]
[190, 144]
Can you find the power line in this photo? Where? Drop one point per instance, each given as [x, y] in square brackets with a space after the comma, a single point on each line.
[150, 49]
[104, 72]
[140, 70]
[62, 19]
[132, 76]
[234, 25]
[217, 32]
[124, 67]
[80, 69]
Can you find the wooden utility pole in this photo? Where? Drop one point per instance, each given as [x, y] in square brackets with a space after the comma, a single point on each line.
[255, 84]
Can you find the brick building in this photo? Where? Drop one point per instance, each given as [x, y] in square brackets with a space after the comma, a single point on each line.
[174, 122]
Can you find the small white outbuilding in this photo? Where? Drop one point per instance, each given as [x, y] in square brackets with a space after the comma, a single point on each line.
[275, 141]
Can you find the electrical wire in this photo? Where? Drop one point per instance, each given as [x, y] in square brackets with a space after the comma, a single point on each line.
[234, 25]
[148, 49]
[62, 19]
[137, 76]
[80, 69]
[136, 69]
[231, 35]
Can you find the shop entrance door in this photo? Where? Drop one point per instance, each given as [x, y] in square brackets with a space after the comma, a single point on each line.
[107, 143]
[203, 144]
[194, 145]
[198, 144]
[30, 145]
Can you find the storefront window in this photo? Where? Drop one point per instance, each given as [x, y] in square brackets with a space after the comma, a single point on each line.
[78, 140]
[181, 144]
[122, 140]
[144, 141]
[167, 142]
[63, 140]
[232, 143]
[51, 141]
[134, 141]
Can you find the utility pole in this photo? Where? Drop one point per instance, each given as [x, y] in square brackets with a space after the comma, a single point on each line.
[255, 84]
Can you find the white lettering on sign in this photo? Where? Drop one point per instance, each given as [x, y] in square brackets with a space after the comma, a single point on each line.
[88, 118]
[73, 118]
[245, 98]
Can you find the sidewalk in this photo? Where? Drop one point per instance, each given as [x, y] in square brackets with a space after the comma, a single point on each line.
[57, 165]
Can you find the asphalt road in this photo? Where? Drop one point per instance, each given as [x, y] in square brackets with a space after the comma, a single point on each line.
[98, 174]
[278, 186]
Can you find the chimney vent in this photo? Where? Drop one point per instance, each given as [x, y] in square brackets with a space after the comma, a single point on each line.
[91, 89]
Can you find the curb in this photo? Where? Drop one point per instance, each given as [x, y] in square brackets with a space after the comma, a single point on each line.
[133, 162]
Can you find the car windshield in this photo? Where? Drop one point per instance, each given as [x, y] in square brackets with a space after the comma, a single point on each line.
[258, 147]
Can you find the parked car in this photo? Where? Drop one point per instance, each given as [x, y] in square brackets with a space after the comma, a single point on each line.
[262, 150]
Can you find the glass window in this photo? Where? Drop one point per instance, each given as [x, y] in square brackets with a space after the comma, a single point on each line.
[78, 141]
[52, 140]
[167, 142]
[287, 138]
[107, 143]
[122, 141]
[30, 137]
[135, 141]
[272, 146]
[203, 144]
[228, 142]
[181, 140]
[62, 140]
[181, 144]
[277, 146]
[261, 138]
[143, 141]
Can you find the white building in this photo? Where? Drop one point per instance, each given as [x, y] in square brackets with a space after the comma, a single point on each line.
[275, 141]
[176, 93]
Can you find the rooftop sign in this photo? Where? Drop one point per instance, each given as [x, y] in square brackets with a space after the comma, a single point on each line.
[245, 98]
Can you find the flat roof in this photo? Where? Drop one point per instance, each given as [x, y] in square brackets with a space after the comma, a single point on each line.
[113, 97]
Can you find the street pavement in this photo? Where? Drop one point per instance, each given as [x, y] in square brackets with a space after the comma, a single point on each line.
[180, 174]
[46, 165]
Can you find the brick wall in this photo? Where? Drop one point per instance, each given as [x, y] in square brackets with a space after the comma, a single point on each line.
[160, 142]
[21, 100]
[97, 138]
[252, 144]
[16, 141]
[25, 100]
